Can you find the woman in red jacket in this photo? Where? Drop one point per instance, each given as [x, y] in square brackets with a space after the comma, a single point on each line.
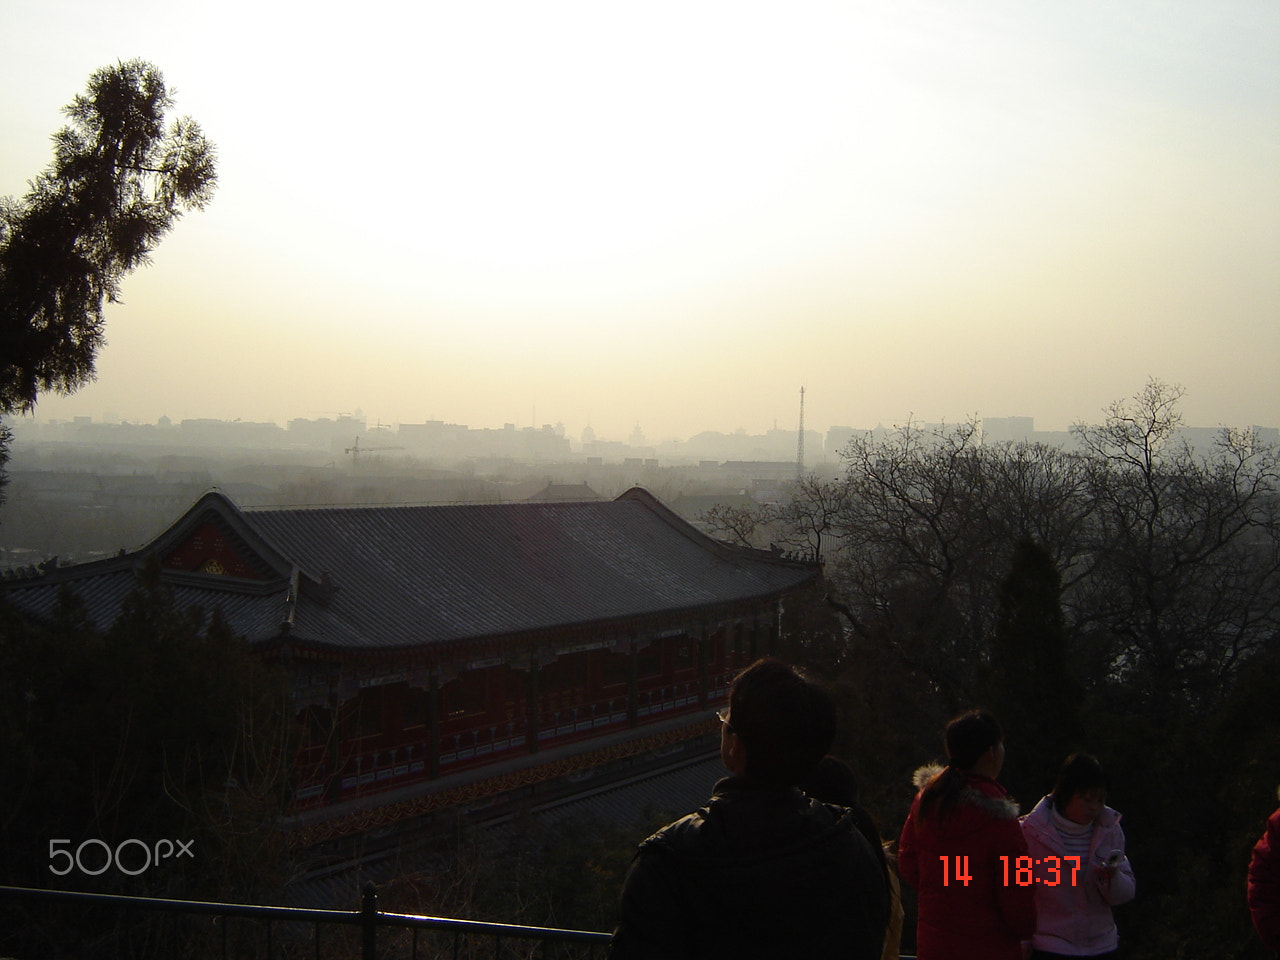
[959, 849]
[1264, 884]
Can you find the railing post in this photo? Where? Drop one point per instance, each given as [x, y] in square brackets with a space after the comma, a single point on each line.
[369, 922]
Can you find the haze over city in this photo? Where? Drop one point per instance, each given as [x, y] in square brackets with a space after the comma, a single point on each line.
[676, 215]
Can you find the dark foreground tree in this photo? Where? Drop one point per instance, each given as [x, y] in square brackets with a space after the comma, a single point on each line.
[1029, 684]
[122, 174]
[151, 758]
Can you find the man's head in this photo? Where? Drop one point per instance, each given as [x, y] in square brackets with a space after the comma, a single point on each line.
[779, 724]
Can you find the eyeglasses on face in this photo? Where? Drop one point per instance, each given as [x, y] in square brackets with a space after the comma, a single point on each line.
[723, 714]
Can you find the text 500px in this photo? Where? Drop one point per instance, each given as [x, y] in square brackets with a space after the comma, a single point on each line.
[132, 856]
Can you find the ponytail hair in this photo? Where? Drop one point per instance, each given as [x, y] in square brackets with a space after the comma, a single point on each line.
[967, 738]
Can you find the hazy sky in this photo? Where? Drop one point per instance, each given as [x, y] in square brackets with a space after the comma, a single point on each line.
[676, 213]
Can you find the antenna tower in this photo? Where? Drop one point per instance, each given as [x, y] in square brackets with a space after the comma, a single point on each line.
[800, 441]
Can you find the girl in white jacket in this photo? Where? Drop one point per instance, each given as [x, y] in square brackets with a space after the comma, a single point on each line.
[1078, 865]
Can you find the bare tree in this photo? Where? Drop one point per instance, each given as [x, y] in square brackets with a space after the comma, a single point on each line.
[1184, 575]
[916, 561]
[815, 515]
[741, 526]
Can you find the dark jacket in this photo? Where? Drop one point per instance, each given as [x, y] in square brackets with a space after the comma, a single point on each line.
[988, 915]
[758, 872]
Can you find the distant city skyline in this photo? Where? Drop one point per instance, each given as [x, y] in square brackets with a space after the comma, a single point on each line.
[1005, 427]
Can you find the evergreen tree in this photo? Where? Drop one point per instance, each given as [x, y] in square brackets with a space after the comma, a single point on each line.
[1030, 686]
[120, 178]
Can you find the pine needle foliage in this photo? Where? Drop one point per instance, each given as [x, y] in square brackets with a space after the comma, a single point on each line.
[121, 176]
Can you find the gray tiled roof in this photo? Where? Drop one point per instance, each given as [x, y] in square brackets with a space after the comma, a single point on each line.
[102, 593]
[413, 575]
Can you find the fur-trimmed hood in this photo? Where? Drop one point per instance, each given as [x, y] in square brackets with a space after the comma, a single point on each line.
[981, 792]
[924, 774]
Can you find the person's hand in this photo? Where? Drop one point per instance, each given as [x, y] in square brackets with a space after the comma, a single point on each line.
[1105, 871]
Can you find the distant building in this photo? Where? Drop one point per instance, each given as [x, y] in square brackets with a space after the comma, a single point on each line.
[230, 433]
[612, 451]
[324, 433]
[1008, 429]
[564, 493]
[773, 445]
[761, 470]
[426, 643]
[430, 433]
[837, 440]
[455, 442]
[695, 507]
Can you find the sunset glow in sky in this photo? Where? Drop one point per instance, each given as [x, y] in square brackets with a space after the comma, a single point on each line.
[677, 213]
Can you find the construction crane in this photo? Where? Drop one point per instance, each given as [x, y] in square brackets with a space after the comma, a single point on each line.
[355, 450]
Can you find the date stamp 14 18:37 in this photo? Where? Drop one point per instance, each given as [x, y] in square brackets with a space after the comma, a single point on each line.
[1021, 870]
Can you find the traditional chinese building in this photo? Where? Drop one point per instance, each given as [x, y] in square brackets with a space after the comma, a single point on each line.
[425, 642]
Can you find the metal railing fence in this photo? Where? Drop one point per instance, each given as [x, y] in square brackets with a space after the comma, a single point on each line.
[280, 931]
